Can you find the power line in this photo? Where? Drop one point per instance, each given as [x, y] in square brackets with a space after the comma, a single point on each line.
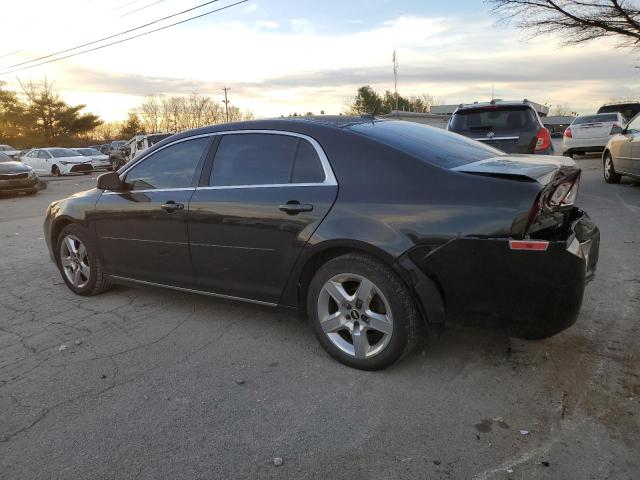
[126, 39]
[141, 8]
[112, 36]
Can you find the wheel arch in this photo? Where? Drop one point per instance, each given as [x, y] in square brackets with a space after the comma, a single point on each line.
[303, 274]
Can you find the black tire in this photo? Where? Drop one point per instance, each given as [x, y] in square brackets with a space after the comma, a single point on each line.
[568, 154]
[405, 317]
[608, 169]
[87, 173]
[97, 283]
[55, 171]
[32, 191]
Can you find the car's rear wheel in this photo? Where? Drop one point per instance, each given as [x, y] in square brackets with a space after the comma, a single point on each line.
[610, 175]
[79, 263]
[361, 312]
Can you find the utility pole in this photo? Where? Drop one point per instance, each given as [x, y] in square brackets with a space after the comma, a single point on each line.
[226, 102]
[395, 76]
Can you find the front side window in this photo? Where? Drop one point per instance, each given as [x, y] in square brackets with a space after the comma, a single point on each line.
[44, 154]
[172, 167]
[634, 125]
[265, 159]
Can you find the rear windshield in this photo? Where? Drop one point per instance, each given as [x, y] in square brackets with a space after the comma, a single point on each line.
[609, 117]
[628, 110]
[153, 139]
[433, 145]
[495, 119]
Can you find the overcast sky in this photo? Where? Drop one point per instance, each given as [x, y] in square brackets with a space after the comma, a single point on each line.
[285, 56]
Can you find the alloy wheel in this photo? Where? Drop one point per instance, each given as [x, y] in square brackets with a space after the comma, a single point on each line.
[607, 167]
[355, 315]
[74, 260]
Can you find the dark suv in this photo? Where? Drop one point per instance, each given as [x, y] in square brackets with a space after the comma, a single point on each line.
[513, 127]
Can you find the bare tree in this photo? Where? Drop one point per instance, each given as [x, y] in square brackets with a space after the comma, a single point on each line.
[575, 21]
[561, 110]
[150, 112]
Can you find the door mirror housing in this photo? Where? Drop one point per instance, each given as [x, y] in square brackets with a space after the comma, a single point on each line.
[111, 181]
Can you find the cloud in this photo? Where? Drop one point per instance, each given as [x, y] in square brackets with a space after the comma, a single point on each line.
[266, 24]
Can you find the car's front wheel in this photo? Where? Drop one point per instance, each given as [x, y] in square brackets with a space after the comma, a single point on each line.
[610, 175]
[79, 263]
[361, 312]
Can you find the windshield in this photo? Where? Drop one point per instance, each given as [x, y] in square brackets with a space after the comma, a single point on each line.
[493, 119]
[431, 144]
[5, 158]
[118, 143]
[62, 152]
[609, 117]
[87, 152]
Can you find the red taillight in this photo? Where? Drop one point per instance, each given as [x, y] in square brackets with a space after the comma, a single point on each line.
[565, 194]
[536, 245]
[543, 139]
[568, 133]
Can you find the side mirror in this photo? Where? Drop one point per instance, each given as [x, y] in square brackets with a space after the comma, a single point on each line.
[617, 129]
[111, 181]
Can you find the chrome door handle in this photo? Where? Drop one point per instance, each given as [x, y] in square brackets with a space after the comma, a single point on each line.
[172, 206]
[293, 207]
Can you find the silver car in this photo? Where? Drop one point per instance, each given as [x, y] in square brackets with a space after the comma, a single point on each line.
[621, 155]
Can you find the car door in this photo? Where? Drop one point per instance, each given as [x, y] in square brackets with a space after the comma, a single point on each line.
[632, 162]
[31, 159]
[46, 161]
[624, 149]
[143, 231]
[265, 195]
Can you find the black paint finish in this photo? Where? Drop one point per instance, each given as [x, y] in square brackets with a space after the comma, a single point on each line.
[444, 231]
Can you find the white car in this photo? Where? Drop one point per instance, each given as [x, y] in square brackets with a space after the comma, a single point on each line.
[57, 161]
[9, 150]
[98, 159]
[590, 133]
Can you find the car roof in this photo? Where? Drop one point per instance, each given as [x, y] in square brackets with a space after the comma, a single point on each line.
[498, 103]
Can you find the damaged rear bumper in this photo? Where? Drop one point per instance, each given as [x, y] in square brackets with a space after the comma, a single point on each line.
[532, 293]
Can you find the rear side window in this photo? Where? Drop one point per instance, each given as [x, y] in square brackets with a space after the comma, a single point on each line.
[430, 144]
[610, 117]
[265, 159]
[495, 119]
[172, 167]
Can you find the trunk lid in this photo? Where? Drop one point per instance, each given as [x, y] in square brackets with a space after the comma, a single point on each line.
[536, 168]
[549, 216]
[592, 130]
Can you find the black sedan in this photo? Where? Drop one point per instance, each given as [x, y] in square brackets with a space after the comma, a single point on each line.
[371, 228]
[16, 177]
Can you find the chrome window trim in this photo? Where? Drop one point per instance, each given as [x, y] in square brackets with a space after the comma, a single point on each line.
[149, 190]
[329, 176]
[487, 139]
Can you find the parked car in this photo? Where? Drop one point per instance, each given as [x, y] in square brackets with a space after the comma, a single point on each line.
[16, 177]
[372, 228]
[104, 148]
[57, 161]
[621, 156]
[628, 109]
[513, 127]
[116, 154]
[98, 160]
[9, 151]
[590, 133]
[140, 143]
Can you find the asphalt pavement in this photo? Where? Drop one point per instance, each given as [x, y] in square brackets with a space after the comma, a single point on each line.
[148, 383]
